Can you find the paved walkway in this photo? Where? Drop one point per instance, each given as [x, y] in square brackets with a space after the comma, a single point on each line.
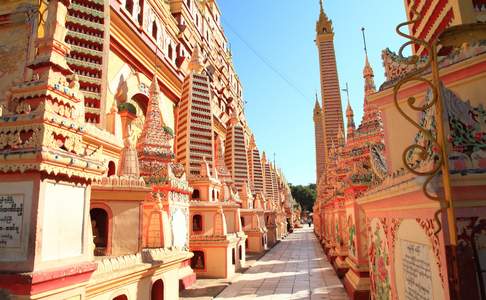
[296, 268]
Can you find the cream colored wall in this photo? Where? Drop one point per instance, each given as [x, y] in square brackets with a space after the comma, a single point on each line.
[230, 221]
[215, 263]
[63, 221]
[400, 134]
[119, 71]
[397, 141]
[411, 231]
[142, 288]
[125, 227]
[255, 243]
[208, 220]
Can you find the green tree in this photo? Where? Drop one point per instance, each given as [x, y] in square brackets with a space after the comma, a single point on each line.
[305, 195]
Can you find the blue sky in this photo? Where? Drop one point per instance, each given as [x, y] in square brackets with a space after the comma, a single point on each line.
[282, 32]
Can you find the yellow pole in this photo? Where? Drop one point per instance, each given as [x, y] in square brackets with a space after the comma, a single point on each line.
[451, 244]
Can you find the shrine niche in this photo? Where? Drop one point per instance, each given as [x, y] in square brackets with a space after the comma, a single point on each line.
[100, 228]
[197, 223]
[197, 261]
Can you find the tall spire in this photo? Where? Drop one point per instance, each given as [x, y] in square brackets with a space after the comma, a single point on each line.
[367, 71]
[331, 118]
[349, 114]
[323, 25]
[317, 108]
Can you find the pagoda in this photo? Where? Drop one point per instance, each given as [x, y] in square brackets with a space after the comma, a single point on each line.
[215, 229]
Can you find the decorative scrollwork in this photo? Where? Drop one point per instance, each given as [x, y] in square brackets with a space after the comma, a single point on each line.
[422, 152]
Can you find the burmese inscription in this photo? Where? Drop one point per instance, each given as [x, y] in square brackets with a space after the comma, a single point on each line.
[416, 271]
[11, 214]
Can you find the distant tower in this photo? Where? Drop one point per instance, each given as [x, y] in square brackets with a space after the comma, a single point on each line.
[368, 74]
[236, 154]
[331, 97]
[267, 177]
[349, 115]
[319, 140]
[371, 121]
[255, 166]
[195, 119]
[438, 16]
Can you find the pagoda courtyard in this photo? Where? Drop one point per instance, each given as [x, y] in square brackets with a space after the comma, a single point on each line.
[133, 167]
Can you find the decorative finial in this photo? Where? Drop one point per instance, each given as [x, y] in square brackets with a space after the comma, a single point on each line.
[322, 7]
[196, 64]
[364, 41]
[347, 92]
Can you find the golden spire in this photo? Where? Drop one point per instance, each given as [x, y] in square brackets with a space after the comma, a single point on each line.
[367, 71]
[317, 106]
[323, 25]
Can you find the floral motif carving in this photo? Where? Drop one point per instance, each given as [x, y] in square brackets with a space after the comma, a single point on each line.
[379, 262]
[428, 226]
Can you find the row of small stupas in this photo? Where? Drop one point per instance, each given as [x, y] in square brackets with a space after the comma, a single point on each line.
[376, 225]
[126, 163]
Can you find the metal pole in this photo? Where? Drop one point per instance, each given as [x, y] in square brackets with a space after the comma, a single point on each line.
[451, 243]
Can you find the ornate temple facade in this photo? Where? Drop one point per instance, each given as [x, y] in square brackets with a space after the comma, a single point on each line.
[375, 213]
[127, 166]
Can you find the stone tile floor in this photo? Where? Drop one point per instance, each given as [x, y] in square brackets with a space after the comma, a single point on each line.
[296, 268]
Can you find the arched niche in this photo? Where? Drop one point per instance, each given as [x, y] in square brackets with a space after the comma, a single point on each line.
[111, 169]
[101, 228]
[157, 292]
[197, 223]
[198, 260]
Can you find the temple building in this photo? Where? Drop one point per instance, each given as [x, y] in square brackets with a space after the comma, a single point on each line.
[328, 117]
[127, 165]
[380, 211]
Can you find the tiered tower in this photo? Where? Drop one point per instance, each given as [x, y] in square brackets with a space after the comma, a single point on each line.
[153, 147]
[235, 155]
[321, 151]
[46, 172]
[223, 173]
[86, 31]
[267, 179]
[255, 166]
[195, 120]
[273, 171]
[438, 15]
[331, 98]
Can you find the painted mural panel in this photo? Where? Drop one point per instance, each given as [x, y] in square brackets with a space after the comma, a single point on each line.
[379, 260]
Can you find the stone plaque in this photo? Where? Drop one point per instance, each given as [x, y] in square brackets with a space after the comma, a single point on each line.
[11, 220]
[417, 272]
